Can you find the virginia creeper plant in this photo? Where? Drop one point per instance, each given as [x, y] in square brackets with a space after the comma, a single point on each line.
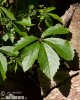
[20, 47]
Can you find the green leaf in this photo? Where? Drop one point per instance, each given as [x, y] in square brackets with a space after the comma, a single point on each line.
[5, 37]
[48, 60]
[24, 42]
[53, 30]
[3, 74]
[54, 16]
[20, 32]
[8, 36]
[42, 18]
[48, 21]
[15, 67]
[11, 37]
[3, 65]
[62, 47]
[8, 13]
[25, 22]
[50, 9]
[31, 54]
[47, 9]
[1, 1]
[8, 50]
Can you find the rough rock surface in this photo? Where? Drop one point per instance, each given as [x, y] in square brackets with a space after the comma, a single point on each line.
[69, 90]
[71, 19]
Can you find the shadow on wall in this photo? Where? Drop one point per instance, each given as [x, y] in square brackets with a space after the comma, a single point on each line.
[63, 81]
[59, 81]
[74, 64]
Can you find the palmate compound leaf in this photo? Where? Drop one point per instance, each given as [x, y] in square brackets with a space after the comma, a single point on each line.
[8, 13]
[29, 55]
[24, 42]
[53, 30]
[48, 60]
[3, 65]
[62, 47]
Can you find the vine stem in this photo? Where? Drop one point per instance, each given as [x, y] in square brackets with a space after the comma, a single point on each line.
[39, 27]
